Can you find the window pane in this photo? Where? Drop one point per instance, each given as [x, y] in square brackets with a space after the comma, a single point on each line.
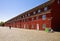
[34, 12]
[37, 18]
[45, 9]
[39, 11]
[32, 19]
[44, 17]
[32, 26]
[28, 14]
[44, 25]
[25, 15]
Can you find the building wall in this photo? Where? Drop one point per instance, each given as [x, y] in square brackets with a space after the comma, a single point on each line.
[51, 21]
[55, 15]
[28, 24]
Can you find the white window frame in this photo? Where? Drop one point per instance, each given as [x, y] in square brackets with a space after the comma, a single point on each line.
[23, 16]
[44, 26]
[37, 17]
[46, 8]
[32, 19]
[32, 26]
[28, 14]
[34, 12]
[39, 11]
[43, 17]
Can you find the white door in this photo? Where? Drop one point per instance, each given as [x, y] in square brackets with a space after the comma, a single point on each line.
[37, 26]
[24, 25]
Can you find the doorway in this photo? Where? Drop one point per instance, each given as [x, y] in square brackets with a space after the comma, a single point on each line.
[37, 26]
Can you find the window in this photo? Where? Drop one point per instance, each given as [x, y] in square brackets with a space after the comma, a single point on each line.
[39, 11]
[34, 12]
[32, 19]
[58, 1]
[45, 9]
[28, 14]
[37, 18]
[25, 15]
[44, 17]
[44, 25]
[32, 26]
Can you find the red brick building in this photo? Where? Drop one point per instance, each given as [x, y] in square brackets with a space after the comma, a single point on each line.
[43, 16]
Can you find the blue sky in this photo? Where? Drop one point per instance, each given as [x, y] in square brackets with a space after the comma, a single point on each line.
[12, 8]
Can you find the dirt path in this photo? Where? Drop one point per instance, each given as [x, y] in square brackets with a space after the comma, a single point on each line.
[16, 34]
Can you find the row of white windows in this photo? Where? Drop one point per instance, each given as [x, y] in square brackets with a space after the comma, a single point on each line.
[45, 9]
[37, 26]
[43, 17]
[43, 26]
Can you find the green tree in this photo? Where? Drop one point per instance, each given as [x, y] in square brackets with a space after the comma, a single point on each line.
[1, 23]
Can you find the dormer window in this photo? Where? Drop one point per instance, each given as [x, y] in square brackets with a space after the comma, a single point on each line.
[58, 1]
[45, 9]
[28, 14]
[34, 12]
[23, 16]
[39, 11]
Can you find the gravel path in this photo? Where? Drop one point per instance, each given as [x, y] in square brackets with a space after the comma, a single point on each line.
[16, 34]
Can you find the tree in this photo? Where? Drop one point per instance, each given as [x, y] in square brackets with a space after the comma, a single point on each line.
[1, 23]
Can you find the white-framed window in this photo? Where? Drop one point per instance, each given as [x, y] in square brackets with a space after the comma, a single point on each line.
[45, 9]
[44, 25]
[32, 19]
[58, 2]
[39, 11]
[28, 14]
[34, 12]
[32, 26]
[37, 18]
[44, 17]
[25, 15]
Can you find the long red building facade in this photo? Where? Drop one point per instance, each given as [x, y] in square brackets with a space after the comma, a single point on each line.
[43, 16]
